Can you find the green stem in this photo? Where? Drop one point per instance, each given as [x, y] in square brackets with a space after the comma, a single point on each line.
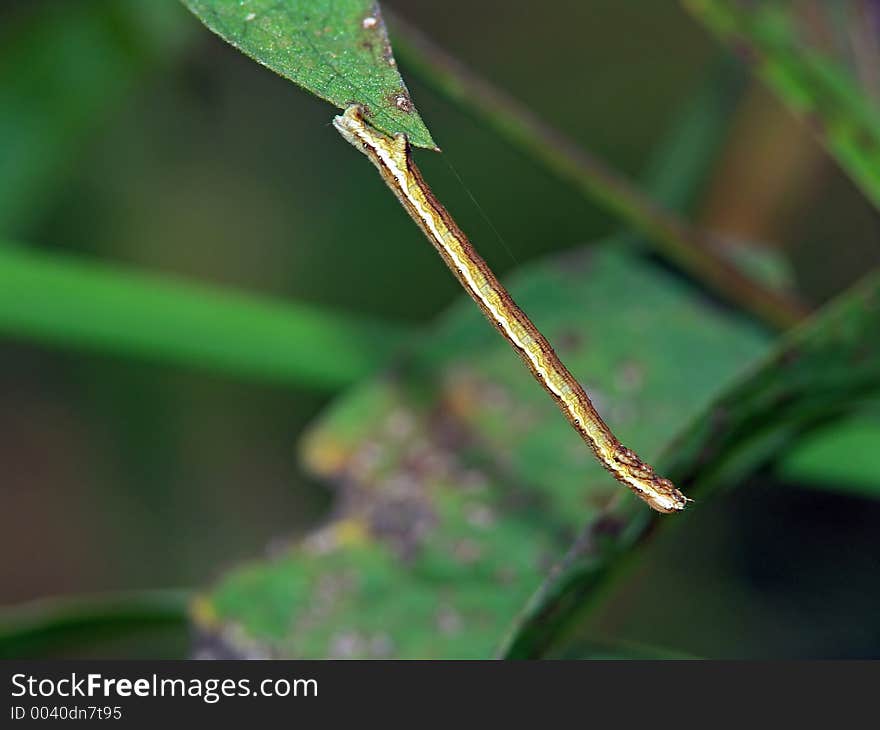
[671, 235]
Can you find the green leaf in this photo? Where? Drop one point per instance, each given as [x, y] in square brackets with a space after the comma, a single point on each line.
[842, 457]
[337, 50]
[75, 303]
[61, 71]
[822, 370]
[459, 481]
[818, 85]
[44, 625]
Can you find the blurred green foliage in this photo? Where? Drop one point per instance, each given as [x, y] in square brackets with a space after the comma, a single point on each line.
[51, 624]
[844, 455]
[95, 306]
[813, 78]
[61, 73]
[130, 136]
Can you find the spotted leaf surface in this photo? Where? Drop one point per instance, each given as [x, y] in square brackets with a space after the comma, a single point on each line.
[458, 481]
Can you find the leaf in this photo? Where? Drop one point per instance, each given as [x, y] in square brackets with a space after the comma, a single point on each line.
[814, 81]
[61, 70]
[459, 481]
[58, 300]
[841, 457]
[337, 50]
[822, 370]
[48, 624]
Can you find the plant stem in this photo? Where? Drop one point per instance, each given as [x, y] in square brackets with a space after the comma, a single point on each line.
[672, 236]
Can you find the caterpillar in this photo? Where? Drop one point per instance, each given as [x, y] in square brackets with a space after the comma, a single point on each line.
[392, 157]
